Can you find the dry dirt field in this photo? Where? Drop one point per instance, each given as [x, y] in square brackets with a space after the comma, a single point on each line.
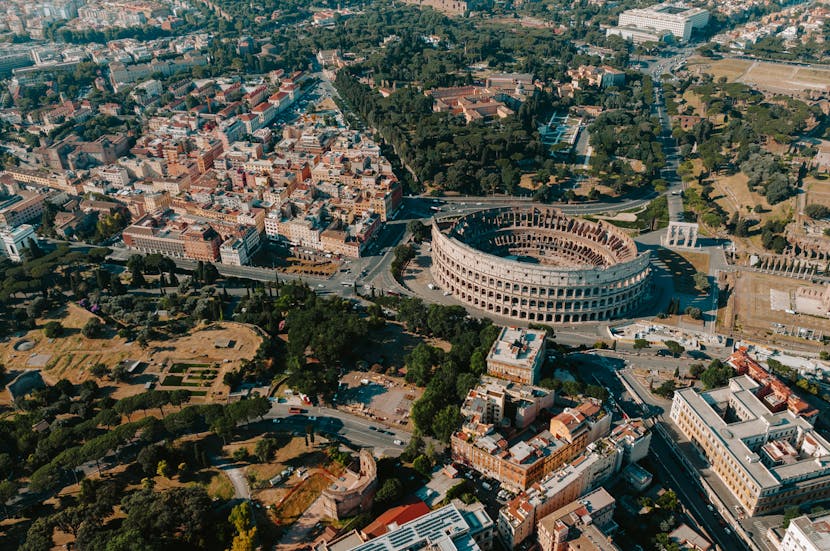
[292, 452]
[752, 314]
[732, 193]
[73, 355]
[818, 191]
[775, 77]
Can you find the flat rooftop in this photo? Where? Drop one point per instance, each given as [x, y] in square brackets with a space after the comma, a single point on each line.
[748, 420]
[447, 527]
[517, 346]
[816, 531]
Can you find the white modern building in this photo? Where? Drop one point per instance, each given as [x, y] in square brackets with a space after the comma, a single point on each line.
[454, 527]
[677, 19]
[807, 534]
[14, 240]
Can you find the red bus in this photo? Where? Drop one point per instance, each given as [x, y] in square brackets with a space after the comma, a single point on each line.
[296, 410]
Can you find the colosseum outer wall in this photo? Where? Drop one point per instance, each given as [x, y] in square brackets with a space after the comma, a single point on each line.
[538, 292]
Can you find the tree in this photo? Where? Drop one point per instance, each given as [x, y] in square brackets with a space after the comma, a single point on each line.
[694, 312]
[639, 344]
[92, 328]
[390, 491]
[211, 274]
[572, 388]
[240, 454]
[99, 370]
[666, 389]
[419, 230]
[53, 329]
[39, 536]
[675, 348]
[8, 489]
[420, 362]
[264, 448]
[240, 517]
[789, 514]
[668, 500]
[817, 212]
[701, 281]
[446, 422]
[423, 465]
[695, 370]
[716, 375]
[163, 469]
[119, 373]
[244, 541]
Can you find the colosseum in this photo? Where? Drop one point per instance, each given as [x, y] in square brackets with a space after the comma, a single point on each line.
[534, 263]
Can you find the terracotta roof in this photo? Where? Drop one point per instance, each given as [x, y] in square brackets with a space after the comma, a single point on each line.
[398, 515]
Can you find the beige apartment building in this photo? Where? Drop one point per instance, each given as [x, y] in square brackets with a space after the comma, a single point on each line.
[519, 461]
[768, 460]
[579, 525]
[602, 459]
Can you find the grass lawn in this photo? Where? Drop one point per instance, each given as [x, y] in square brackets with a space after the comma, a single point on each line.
[220, 486]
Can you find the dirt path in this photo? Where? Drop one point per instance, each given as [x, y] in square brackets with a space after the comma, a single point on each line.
[298, 535]
[236, 474]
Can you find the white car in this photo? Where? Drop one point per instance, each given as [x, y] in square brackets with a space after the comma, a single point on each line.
[312, 418]
[398, 442]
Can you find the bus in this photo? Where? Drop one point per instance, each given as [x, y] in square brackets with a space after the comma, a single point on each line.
[296, 410]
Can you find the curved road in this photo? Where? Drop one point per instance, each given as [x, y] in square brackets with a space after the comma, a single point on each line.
[345, 426]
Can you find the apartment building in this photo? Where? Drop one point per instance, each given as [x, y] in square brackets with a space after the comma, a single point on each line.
[772, 391]
[173, 237]
[520, 460]
[768, 460]
[598, 77]
[489, 401]
[454, 527]
[579, 525]
[517, 355]
[599, 461]
[21, 208]
[45, 179]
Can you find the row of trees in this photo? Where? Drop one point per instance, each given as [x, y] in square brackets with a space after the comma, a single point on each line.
[446, 376]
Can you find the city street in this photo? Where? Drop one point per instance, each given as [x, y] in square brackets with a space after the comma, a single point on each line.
[350, 428]
[673, 471]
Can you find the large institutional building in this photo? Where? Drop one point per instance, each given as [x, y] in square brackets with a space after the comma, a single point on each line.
[769, 460]
[675, 19]
[536, 264]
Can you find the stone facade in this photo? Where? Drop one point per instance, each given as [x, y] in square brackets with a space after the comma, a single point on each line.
[534, 263]
[353, 493]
